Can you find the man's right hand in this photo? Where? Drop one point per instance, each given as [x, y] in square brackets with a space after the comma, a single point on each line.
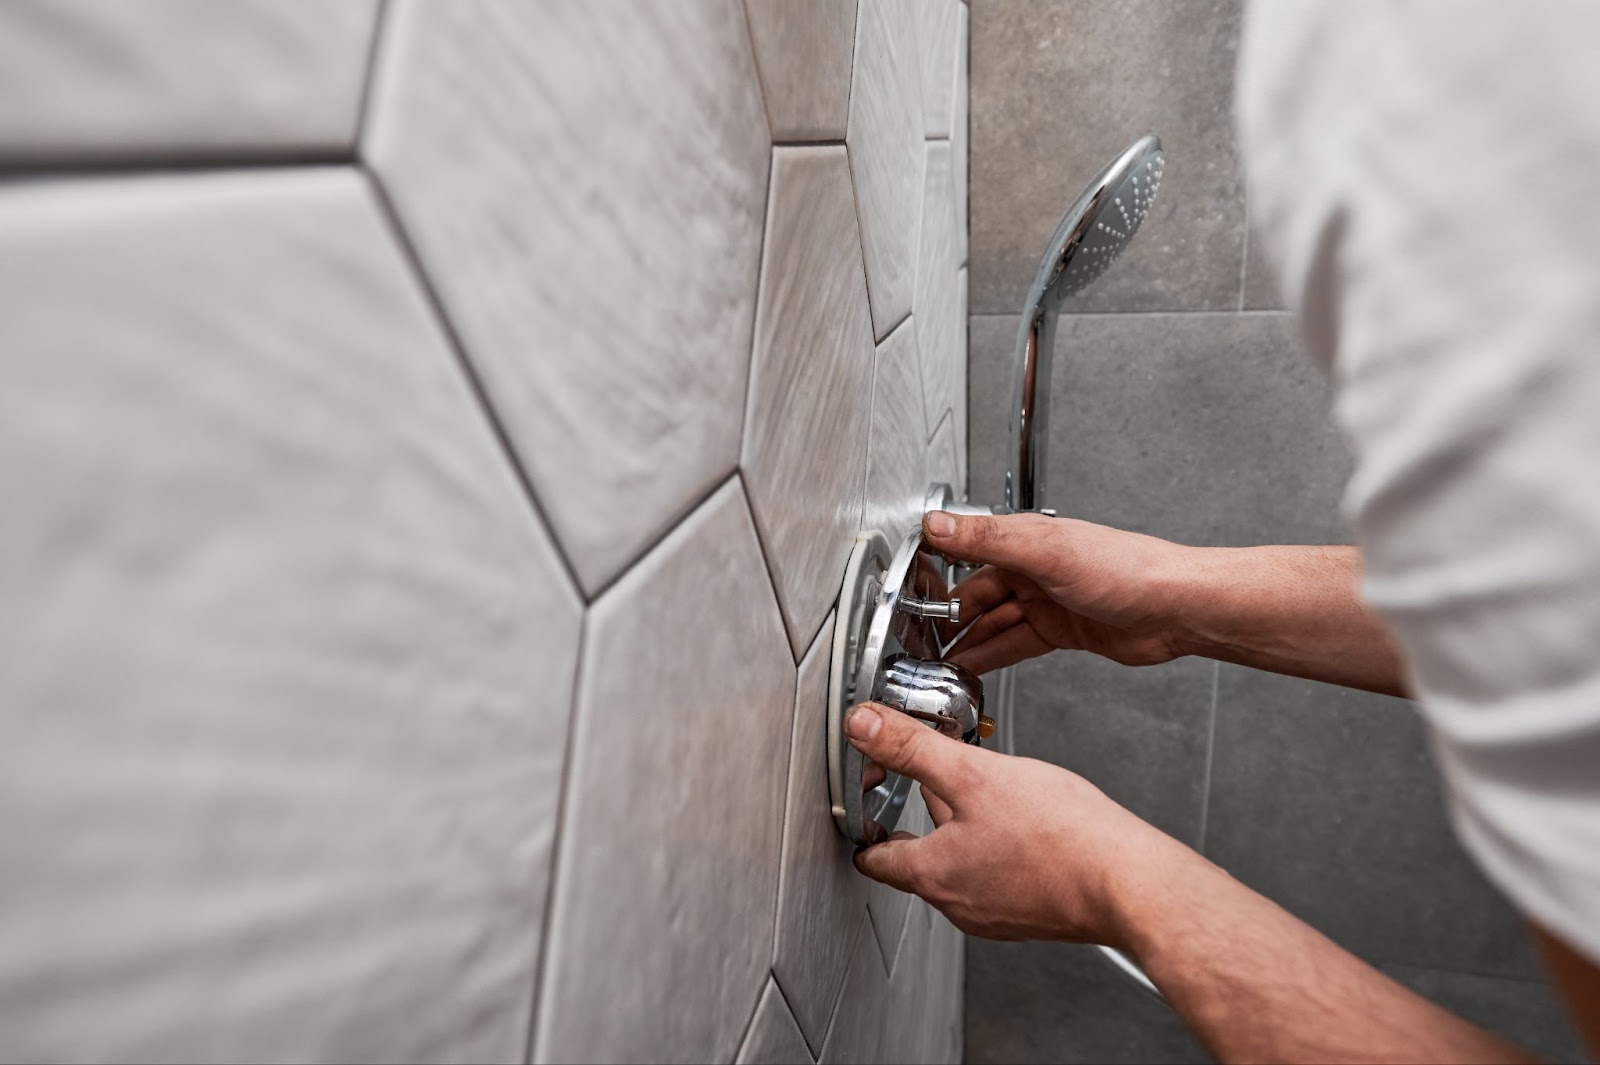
[1055, 583]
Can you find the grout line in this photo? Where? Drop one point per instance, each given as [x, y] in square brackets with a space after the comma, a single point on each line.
[1211, 741]
[755, 61]
[672, 522]
[902, 320]
[380, 23]
[544, 956]
[794, 1016]
[413, 258]
[155, 164]
[1226, 313]
[1244, 250]
[756, 301]
[827, 142]
[772, 576]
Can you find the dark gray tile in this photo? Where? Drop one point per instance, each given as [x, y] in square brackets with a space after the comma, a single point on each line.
[1524, 1011]
[1203, 428]
[1139, 734]
[1325, 800]
[1058, 89]
[1058, 1002]
[1260, 289]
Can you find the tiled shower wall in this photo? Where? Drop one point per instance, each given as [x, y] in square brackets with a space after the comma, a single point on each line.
[431, 436]
[1183, 408]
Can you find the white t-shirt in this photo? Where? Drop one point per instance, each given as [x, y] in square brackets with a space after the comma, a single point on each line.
[1427, 179]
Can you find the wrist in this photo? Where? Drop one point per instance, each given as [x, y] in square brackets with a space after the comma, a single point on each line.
[1190, 587]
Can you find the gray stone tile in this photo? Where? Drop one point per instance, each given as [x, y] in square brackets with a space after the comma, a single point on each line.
[1526, 1012]
[1058, 89]
[773, 1038]
[1325, 800]
[1261, 291]
[1059, 1002]
[1202, 428]
[85, 81]
[670, 847]
[805, 437]
[607, 310]
[804, 53]
[1138, 734]
[288, 662]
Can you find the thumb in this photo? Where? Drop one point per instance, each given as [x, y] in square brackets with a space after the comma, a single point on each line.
[904, 745]
[1018, 542]
[895, 862]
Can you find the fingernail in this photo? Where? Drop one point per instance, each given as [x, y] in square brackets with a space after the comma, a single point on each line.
[939, 523]
[863, 723]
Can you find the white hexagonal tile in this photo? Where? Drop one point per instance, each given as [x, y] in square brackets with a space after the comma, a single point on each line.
[937, 310]
[944, 463]
[947, 988]
[886, 153]
[288, 658]
[586, 192]
[959, 133]
[803, 51]
[857, 1031]
[822, 897]
[667, 879]
[889, 907]
[805, 446]
[938, 37]
[897, 482]
[910, 1020]
[773, 1038]
[88, 80]
[963, 367]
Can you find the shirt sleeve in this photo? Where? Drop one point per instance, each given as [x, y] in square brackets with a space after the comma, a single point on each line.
[1432, 203]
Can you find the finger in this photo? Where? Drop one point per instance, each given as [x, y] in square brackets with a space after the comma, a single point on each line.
[1022, 542]
[872, 774]
[980, 593]
[1016, 644]
[897, 861]
[904, 745]
[938, 809]
[991, 624]
[984, 590]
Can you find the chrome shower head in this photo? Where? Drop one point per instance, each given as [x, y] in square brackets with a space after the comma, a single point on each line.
[1093, 232]
[1102, 220]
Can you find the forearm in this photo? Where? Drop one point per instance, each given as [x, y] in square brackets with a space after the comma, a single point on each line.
[1289, 609]
[1255, 984]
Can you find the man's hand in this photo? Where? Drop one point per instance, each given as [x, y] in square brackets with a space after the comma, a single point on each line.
[1020, 849]
[1024, 850]
[1051, 583]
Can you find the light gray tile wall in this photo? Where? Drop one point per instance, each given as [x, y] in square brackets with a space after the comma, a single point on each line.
[425, 563]
[84, 82]
[1183, 407]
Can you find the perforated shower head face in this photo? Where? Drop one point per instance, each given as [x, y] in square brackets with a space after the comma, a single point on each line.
[1103, 220]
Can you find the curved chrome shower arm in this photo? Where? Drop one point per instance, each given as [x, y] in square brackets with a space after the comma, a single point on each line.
[1081, 248]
